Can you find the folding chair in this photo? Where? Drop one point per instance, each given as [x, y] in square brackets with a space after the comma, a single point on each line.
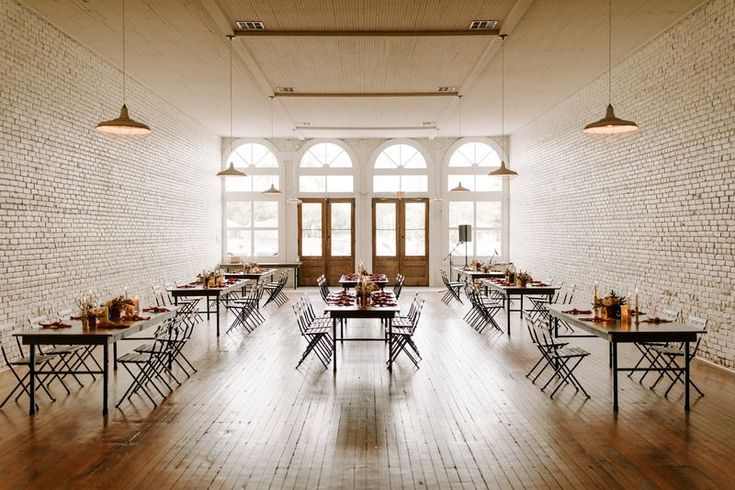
[482, 309]
[645, 348]
[402, 332]
[453, 289]
[247, 309]
[321, 281]
[275, 290]
[315, 330]
[667, 357]
[561, 357]
[398, 286]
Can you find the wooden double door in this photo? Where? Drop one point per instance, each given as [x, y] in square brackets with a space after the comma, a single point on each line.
[401, 239]
[326, 239]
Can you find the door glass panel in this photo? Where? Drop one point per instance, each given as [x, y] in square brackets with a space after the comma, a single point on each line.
[385, 229]
[311, 229]
[341, 222]
[415, 228]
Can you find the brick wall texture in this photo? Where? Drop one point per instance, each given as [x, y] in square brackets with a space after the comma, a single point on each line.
[80, 211]
[656, 210]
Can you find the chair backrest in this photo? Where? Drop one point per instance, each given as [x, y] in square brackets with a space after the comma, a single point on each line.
[670, 314]
[696, 321]
[398, 286]
[34, 322]
[9, 350]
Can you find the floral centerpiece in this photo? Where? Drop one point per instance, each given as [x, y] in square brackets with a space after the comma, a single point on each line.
[510, 274]
[487, 266]
[206, 278]
[87, 310]
[475, 264]
[611, 304]
[116, 305]
[523, 278]
[361, 271]
[363, 290]
[251, 267]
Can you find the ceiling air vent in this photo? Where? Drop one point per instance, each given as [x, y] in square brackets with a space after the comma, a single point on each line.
[483, 25]
[285, 90]
[250, 25]
[449, 88]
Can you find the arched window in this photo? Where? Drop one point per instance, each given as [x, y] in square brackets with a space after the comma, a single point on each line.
[400, 167]
[469, 163]
[326, 167]
[251, 217]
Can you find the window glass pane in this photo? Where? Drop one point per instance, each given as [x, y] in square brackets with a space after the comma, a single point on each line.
[474, 154]
[312, 183]
[400, 156]
[341, 243]
[265, 214]
[239, 184]
[326, 155]
[488, 214]
[415, 242]
[266, 243]
[253, 154]
[238, 242]
[385, 229]
[414, 183]
[339, 183]
[412, 158]
[460, 213]
[485, 183]
[467, 181]
[263, 182]
[488, 241]
[453, 241]
[311, 229]
[238, 214]
[386, 183]
[311, 158]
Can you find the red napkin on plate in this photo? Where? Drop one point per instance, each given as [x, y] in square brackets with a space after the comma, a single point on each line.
[596, 319]
[155, 309]
[134, 318]
[655, 320]
[56, 324]
[575, 311]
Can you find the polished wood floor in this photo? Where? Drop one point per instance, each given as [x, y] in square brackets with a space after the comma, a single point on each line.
[468, 418]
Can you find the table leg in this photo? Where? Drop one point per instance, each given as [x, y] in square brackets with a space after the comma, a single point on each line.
[520, 313]
[176, 300]
[295, 277]
[208, 308]
[105, 375]
[32, 373]
[614, 357]
[610, 355]
[390, 343]
[114, 356]
[507, 311]
[334, 344]
[556, 327]
[686, 375]
[216, 300]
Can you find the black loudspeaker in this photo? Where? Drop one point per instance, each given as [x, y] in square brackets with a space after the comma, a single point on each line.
[465, 233]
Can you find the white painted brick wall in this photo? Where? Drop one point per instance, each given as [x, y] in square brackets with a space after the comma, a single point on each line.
[657, 210]
[80, 211]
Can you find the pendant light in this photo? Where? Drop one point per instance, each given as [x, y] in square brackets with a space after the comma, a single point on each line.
[610, 125]
[231, 171]
[460, 187]
[123, 126]
[272, 189]
[502, 171]
[437, 195]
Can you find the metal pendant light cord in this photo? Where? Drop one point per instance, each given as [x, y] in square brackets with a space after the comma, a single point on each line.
[609, 51]
[123, 54]
[502, 91]
[230, 37]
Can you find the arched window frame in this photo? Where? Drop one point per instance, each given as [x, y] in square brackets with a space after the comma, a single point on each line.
[400, 171]
[254, 196]
[325, 170]
[473, 197]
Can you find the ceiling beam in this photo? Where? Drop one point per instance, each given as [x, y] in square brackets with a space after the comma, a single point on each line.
[427, 33]
[365, 94]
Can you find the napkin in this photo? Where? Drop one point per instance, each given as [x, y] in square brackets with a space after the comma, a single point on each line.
[134, 318]
[596, 319]
[655, 319]
[55, 325]
[155, 309]
[575, 311]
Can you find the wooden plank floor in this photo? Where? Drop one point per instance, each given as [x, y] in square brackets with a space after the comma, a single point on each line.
[468, 418]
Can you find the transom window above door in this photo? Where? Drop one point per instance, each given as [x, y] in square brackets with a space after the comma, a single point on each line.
[326, 167]
[400, 167]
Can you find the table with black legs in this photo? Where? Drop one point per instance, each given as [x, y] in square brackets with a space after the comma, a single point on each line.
[616, 332]
[508, 291]
[92, 337]
[219, 293]
[344, 312]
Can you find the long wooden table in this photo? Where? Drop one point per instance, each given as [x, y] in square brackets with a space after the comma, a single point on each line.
[218, 293]
[256, 276]
[344, 312]
[294, 266]
[476, 275]
[78, 335]
[348, 281]
[513, 290]
[617, 333]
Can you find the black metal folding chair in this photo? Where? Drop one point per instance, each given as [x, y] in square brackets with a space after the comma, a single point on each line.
[398, 286]
[316, 331]
[275, 290]
[247, 309]
[482, 309]
[402, 332]
[453, 289]
[667, 357]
